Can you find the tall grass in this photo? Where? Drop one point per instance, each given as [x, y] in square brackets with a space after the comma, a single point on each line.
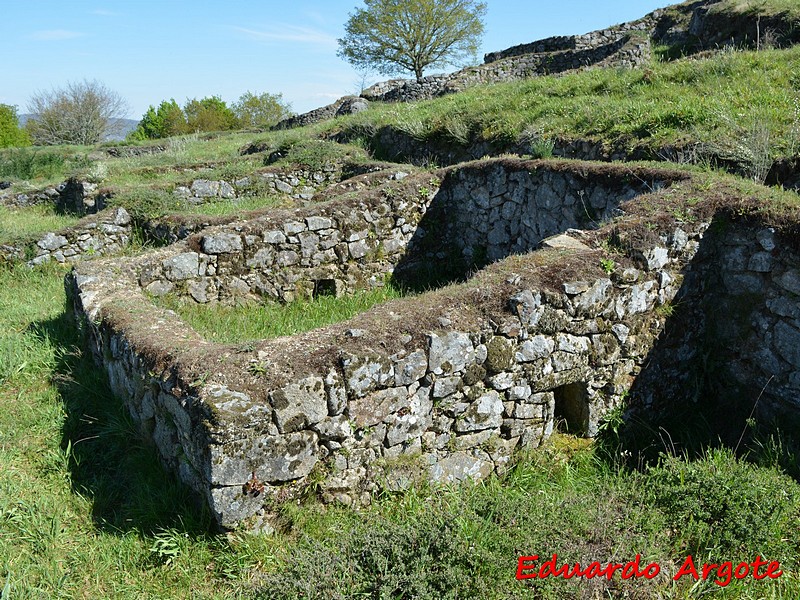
[41, 164]
[715, 100]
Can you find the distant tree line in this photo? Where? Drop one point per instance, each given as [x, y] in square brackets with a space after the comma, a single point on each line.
[85, 112]
[211, 114]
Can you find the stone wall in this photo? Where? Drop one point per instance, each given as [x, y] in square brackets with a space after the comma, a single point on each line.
[73, 196]
[327, 184]
[587, 41]
[735, 341]
[444, 401]
[485, 212]
[444, 386]
[625, 52]
[107, 232]
[333, 248]
[489, 212]
[346, 105]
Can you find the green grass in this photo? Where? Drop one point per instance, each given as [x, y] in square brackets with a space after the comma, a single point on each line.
[233, 207]
[719, 101]
[789, 8]
[86, 510]
[26, 224]
[229, 324]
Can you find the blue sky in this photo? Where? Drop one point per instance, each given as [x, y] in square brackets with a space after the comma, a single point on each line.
[151, 50]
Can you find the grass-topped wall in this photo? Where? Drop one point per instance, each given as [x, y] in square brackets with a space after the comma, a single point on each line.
[443, 385]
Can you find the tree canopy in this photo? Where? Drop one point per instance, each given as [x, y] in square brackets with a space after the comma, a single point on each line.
[395, 36]
[263, 110]
[79, 113]
[10, 133]
[165, 121]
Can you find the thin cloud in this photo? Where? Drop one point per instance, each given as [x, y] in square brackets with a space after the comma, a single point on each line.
[289, 33]
[316, 17]
[104, 13]
[55, 35]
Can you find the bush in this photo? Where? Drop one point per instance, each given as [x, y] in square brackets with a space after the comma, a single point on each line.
[315, 155]
[728, 506]
[147, 203]
[80, 113]
[422, 557]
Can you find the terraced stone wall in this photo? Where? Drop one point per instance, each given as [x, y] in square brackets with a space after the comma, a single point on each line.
[447, 385]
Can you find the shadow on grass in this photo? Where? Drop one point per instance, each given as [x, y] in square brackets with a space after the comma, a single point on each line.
[110, 461]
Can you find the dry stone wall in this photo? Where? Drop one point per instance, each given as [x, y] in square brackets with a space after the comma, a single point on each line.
[107, 232]
[445, 403]
[442, 387]
[587, 41]
[737, 329]
[334, 248]
[476, 214]
[486, 213]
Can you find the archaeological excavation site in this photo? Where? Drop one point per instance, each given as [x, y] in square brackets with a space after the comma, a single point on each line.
[574, 240]
[563, 289]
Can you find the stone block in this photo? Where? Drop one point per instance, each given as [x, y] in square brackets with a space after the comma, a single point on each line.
[299, 405]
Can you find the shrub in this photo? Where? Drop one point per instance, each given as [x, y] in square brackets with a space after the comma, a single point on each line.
[726, 505]
[147, 202]
[318, 154]
[24, 163]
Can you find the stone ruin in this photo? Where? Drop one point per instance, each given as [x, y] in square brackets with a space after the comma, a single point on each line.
[604, 284]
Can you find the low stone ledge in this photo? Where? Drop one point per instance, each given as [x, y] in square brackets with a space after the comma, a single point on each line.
[107, 232]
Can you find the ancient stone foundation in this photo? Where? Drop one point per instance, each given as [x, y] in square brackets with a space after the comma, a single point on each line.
[447, 385]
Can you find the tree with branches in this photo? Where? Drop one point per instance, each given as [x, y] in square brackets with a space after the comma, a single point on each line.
[394, 36]
[81, 113]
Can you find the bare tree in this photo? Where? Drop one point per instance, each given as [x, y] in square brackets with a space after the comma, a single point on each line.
[80, 113]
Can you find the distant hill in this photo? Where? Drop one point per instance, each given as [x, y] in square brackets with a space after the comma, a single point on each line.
[125, 127]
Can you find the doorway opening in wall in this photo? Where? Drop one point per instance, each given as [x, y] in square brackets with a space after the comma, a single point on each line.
[572, 409]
